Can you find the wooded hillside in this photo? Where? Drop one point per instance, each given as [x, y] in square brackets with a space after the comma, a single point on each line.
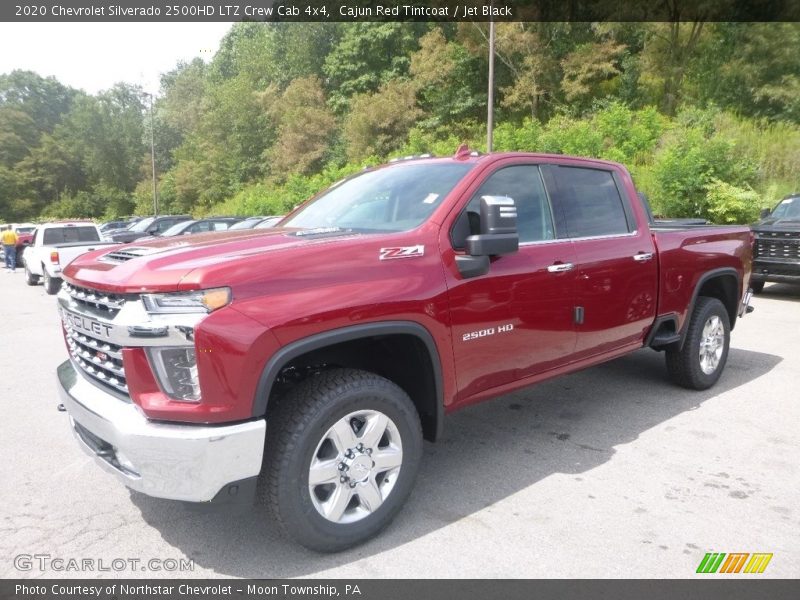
[706, 115]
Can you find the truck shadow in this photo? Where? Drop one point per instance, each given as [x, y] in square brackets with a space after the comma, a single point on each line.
[781, 291]
[489, 452]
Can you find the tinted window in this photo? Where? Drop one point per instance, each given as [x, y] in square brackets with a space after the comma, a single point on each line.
[162, 226]
[522, 183]
[591, 202]
[66, 235]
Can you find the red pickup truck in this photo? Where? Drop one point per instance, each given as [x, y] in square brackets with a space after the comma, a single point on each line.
[305, 364]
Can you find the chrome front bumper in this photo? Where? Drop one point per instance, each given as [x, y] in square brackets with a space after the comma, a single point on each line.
[179, 462]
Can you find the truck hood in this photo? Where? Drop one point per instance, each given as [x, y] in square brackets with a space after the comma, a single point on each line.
[164, 264]
[777, 225]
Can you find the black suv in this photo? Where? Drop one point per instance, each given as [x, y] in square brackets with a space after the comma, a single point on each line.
[146, 227]
[776, 251]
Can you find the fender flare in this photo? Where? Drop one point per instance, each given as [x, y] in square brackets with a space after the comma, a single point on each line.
[346, 334]
[714, 273]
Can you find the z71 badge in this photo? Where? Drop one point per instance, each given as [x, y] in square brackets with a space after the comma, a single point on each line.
[402, 252]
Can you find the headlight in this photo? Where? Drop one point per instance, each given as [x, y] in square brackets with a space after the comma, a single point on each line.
[176, 369]
[187, 302]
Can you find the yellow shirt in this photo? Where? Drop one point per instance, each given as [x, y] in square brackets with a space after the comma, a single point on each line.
[9, 238]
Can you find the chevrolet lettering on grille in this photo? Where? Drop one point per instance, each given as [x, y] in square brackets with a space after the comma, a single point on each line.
[87, 325]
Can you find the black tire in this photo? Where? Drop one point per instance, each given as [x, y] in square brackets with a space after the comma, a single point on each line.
[298, 424]
[20, 262]
[51, 284]
[30, 278]
[757, 286]
[684, 365]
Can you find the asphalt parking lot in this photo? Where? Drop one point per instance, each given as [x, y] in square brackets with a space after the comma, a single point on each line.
[612, 472]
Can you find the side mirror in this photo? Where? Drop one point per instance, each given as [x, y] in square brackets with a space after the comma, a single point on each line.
[765, 212]
[498, 236]
[498, 228]
[153, 231]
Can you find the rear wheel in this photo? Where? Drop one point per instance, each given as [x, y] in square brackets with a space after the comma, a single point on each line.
[757, 286]
[341, 459]
[30, 278]
[51, 284]
[700, 362]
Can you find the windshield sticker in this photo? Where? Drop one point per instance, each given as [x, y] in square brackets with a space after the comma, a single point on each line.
[430, 198]
[402, 252]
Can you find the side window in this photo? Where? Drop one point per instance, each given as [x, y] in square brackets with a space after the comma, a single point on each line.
[524, 184]
[164, 225]
[590, 201]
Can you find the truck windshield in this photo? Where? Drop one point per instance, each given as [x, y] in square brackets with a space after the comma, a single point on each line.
[69, 234]
[395, 198]
[789, 208]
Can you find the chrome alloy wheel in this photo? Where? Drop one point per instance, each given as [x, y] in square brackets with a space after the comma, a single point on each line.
[355, 466]
[712, 344]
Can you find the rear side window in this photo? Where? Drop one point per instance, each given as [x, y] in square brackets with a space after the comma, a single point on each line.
[68, 235]
[590, 201]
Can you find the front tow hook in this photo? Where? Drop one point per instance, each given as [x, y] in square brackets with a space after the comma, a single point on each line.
[61, 407]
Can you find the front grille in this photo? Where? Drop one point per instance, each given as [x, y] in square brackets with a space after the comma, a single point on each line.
[110, 303]
[97, 358]
[777, 248]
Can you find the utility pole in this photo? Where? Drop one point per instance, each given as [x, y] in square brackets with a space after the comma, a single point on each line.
[153, 154]
[490, 116]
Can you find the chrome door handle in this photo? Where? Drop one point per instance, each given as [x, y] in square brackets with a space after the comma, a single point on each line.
[643, 256]
[560, 268]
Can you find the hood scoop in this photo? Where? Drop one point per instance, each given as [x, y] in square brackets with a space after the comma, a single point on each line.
[121, 256]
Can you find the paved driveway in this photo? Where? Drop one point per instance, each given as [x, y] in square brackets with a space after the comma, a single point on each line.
[612, 472]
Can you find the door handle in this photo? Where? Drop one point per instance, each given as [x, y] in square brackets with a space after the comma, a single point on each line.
[643, 256]
[560, 267]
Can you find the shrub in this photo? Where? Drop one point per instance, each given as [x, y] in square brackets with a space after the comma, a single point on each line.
[731, 204]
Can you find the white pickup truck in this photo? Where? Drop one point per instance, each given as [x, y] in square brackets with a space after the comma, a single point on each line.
[54, 246]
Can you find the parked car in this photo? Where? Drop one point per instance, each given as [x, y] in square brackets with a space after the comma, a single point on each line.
[24, 233]
[406, 292]
[53, 246]
[776, 250]
[268, 222]
[248, 223]
[200, 226]
[149, 226]
[120, 224]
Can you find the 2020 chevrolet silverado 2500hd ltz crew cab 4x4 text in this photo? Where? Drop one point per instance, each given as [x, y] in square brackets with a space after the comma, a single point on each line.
[308, 362]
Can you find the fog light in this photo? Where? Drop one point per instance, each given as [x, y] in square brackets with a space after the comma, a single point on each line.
[176, 369]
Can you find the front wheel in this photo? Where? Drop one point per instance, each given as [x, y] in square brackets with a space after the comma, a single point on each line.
[700, 362]
[51, 284]
[342, 454]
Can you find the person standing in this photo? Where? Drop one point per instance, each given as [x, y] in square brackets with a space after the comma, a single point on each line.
[9, 240]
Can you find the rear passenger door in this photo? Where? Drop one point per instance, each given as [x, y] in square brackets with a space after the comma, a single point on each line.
[616, 266]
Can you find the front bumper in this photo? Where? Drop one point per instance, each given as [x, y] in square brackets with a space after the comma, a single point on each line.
[165, 460]
[776, 271]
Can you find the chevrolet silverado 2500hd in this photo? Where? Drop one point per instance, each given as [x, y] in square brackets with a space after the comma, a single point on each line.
[306, 363]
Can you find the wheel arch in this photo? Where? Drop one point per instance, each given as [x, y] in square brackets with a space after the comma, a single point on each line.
[428, 397]
[723, 284]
